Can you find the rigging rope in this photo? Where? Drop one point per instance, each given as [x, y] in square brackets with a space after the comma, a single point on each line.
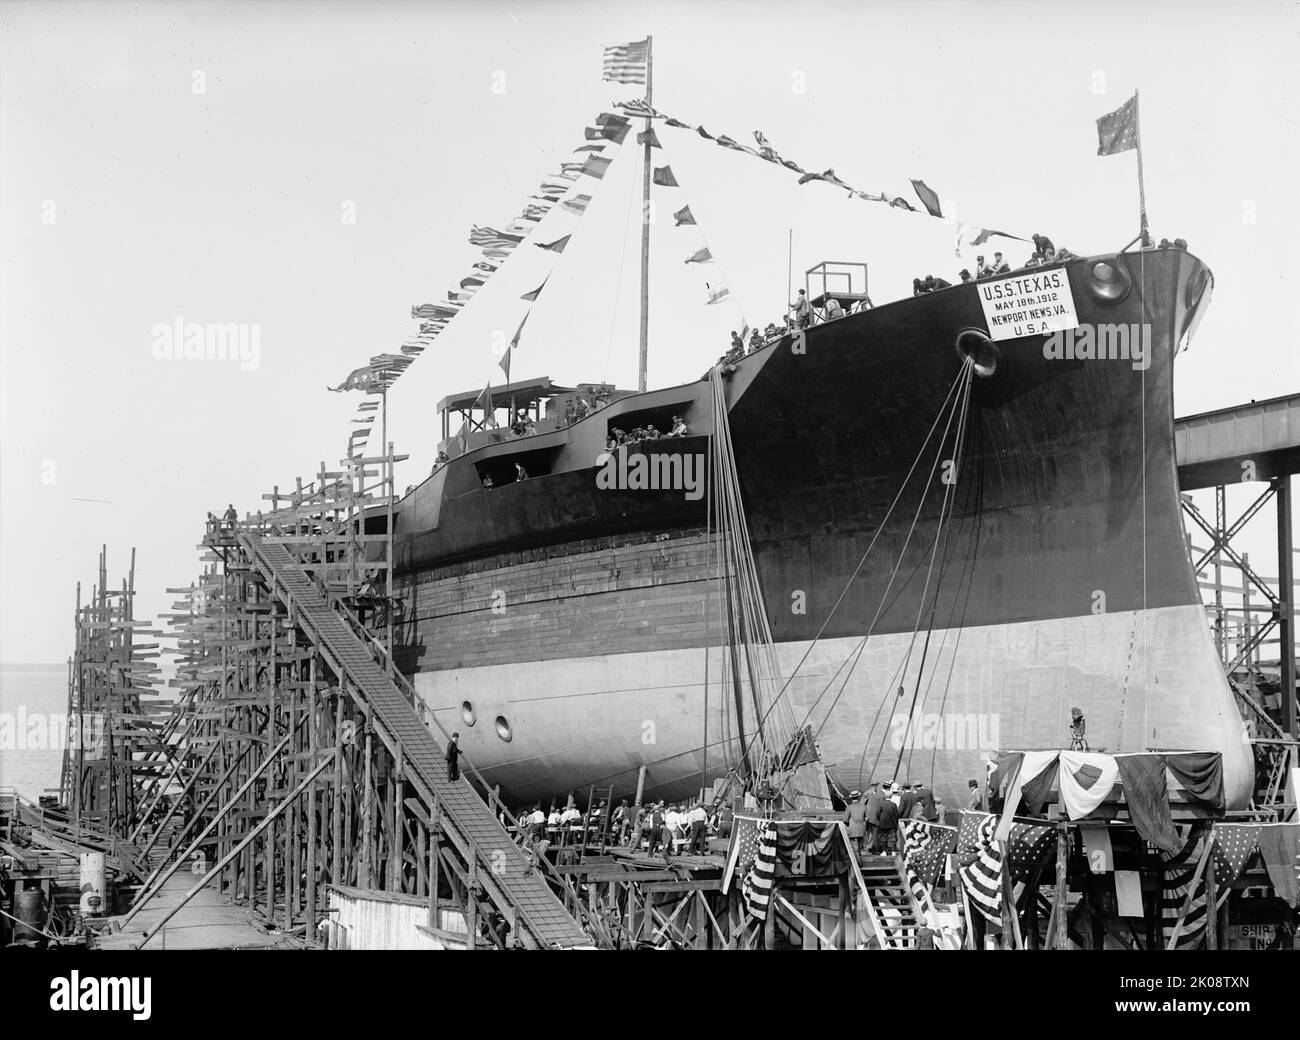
[856, 654]
[967, 370]
[874, 538]
[748, 632]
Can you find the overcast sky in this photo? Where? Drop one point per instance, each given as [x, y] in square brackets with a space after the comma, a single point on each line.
[200, 160]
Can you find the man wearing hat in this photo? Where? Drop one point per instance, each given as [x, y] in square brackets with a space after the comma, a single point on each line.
[875, 799]
[964, 275]
[907, 798]
[802, 311]
[888, 820]
[1000, 266]
[856, 817]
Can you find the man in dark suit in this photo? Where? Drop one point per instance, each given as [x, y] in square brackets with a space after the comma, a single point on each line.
[856, 817]
[453, 758]
[888, 824]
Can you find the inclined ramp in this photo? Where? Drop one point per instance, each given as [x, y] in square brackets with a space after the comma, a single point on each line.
[514, 885]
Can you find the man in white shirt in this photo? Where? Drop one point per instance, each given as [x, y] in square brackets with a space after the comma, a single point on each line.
[536, 822]
[570, 824]
[698, 820]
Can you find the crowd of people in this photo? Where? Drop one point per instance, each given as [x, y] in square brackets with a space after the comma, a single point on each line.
[873, 817]
[659, 828]
[619, 438]
[585, 405]
[1044, 253]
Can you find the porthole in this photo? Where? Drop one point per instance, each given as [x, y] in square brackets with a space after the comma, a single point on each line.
[467, 713]
[503, 729]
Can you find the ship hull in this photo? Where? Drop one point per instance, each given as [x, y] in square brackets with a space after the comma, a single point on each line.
[596, 719]
[1034, 564]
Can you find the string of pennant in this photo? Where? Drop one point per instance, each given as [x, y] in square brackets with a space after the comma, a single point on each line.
[716, 286]
[558, 189]
[927, 196]
[496, 246]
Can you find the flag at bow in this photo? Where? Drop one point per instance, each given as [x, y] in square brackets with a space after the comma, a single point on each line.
[627, 62]
[1118, 131]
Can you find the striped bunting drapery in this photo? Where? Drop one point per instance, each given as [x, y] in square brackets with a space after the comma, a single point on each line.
[1028, 847]
[925, 845]
[756, 889]
[982, 878]
[1233, 845]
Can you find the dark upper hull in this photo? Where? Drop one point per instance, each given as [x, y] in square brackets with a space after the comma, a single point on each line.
[1067, 487]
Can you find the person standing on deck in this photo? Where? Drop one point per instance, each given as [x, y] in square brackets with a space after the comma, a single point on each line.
[1078, 731]
[698, 820]
[976, 800]
[453, 758]
[888, 824]
[536, 823]
[802, 311]
[856, 817]
[875, 799]
[657, 828]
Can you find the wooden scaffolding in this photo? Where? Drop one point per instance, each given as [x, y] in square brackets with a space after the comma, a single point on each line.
[303, 758]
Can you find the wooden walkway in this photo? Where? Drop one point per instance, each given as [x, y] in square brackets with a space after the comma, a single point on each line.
[513, 882]
[206, 922]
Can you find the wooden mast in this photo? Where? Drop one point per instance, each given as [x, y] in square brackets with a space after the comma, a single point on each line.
[645, 220]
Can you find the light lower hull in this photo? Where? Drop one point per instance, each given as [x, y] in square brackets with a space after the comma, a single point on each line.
[1144, 680]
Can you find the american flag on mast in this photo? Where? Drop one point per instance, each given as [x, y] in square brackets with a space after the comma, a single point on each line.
[626, 62]
[1118, 131]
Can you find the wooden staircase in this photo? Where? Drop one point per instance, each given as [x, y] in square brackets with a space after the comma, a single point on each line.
[890, 904]
[509, 877]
